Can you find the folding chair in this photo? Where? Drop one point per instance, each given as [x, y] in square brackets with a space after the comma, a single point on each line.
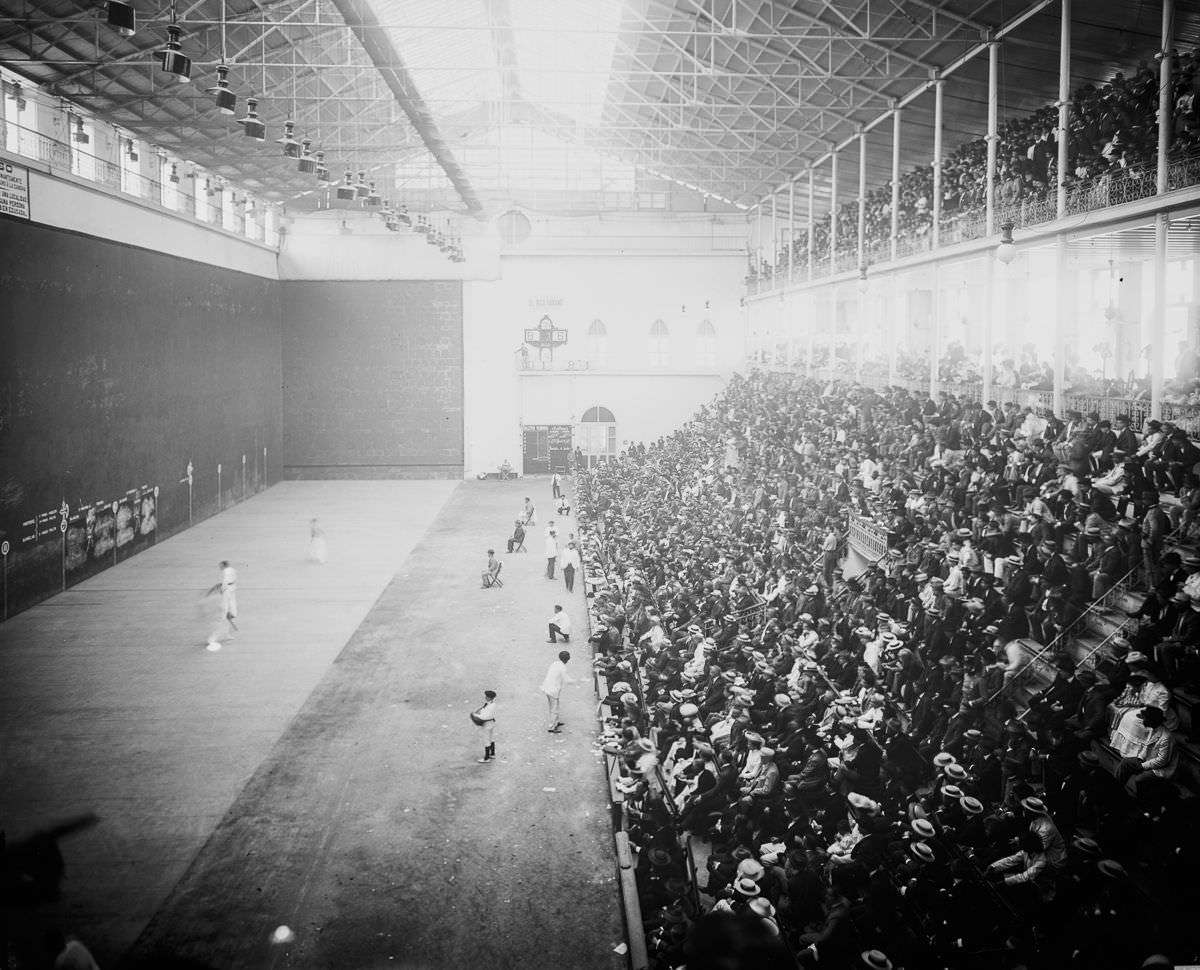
[495, 580]
[521, 547]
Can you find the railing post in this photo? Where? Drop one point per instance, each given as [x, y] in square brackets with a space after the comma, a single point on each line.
[893, 303]
[1165, 104]
[993, 97]
[1064, 109]
[895, 227]
[989, 323]
[939, 84]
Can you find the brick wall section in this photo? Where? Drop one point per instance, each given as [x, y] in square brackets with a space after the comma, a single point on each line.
[372, 379]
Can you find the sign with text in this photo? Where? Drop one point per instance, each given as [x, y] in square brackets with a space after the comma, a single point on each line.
[14, 190]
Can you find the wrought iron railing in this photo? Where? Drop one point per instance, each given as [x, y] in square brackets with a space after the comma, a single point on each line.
[867, 537]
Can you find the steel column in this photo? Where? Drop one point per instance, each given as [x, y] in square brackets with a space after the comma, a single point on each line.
[791, 249]
[939, 86]
[1064, 108]
[833, 207]
[1065, 292]
[862, 199]
[1165, 104]
[993, 97]
[895, 228]
[811, 227]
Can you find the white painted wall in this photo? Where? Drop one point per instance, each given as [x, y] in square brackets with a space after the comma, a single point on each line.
[628, 293]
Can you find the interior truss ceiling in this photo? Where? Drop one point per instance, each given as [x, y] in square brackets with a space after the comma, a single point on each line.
[732, 96]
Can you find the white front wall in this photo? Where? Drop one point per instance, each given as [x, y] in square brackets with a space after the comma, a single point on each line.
[628, 293]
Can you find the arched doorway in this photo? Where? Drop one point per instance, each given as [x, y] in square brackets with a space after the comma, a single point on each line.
[598, 435]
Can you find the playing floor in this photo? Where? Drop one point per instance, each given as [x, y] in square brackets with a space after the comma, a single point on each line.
[319, 771]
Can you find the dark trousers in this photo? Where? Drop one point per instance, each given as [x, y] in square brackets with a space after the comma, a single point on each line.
[569, 578]
[556, 490]
[550, 561]
[555, 631]
[514, 544]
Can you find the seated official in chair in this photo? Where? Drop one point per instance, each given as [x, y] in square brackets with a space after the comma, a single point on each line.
[491, 576]
[517, 542]
[506, 471]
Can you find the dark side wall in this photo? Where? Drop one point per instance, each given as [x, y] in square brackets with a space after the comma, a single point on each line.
[118, 367]
[373, 379]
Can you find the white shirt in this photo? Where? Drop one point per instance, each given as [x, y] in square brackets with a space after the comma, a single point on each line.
[563, 622]
[228, 576]
[556, 676]
[551, 547]
[568, 557]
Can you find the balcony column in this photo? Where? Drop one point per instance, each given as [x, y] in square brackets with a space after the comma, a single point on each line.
[890, 322]
[934, 331]
[1158, 322]
[993, 97]
[791, 248]
[833, 330]
[939, 84]
[1064, 108]
[1065, 287]
[895, 228]
[1165, 102]
[833, 205]
[862, 200]
[812, 188]
[774, 234]
[989, 324]
[758, 232]
[811, 310]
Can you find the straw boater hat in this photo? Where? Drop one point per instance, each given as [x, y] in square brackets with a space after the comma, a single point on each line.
[921, 852]
[875, 960]
[943, 758]
[972, 806]
[1035, 805]
[746, 887]
[923, 828]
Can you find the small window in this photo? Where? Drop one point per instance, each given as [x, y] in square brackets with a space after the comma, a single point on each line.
[660, 345]
[706, 344]
[597, 341]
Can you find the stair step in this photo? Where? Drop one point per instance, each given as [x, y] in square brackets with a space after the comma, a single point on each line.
[1105, 623]
[1129, 601]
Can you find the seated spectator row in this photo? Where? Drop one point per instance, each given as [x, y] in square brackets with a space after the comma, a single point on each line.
[861, 766]
[1112, 129]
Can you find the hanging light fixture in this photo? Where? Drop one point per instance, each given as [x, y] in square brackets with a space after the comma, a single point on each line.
[252, 126]
[403, 217]
[1006, 251]
[291, 147]
[171, 58]
[307, 164]
[17, 94]
[360, 190]
[322, 171]
[422, 227]
[131, 150]
[80, 135]
[864, 284]
[225, 99]
[345, 191]
[122, 17]
[373, 198]
[173, 178]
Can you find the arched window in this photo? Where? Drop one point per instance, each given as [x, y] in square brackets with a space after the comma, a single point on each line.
[706, 344]
[598, 435]
[597, 341]
[660, 345]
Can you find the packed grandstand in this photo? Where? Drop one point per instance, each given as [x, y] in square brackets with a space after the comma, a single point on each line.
[971, 750]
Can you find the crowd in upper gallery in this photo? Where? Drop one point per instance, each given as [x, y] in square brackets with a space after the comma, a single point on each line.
[1113, 128]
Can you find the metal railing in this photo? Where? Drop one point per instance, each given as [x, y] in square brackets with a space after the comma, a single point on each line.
[181, 195]
[1101, 602]
[867, 537]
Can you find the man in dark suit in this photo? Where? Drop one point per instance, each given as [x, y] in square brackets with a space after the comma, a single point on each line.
[518, 536]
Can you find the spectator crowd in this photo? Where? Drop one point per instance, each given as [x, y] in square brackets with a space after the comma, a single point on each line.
[1113, 128]
[908, 764]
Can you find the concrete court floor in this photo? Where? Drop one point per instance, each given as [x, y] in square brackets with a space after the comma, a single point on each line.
[371, 831]
[110, 704]
[367, 826]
